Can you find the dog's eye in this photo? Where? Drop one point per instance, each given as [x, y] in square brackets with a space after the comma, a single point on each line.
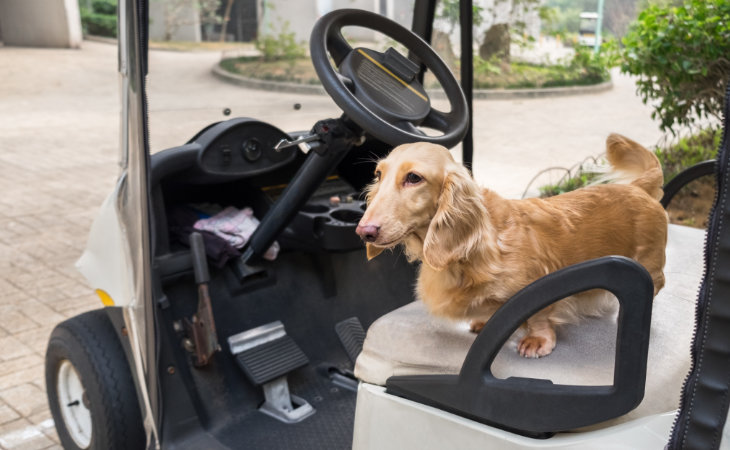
[413, 178]
[377, 175]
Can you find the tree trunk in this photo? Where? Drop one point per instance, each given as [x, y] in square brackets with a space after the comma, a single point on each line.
[442, 44]
[496, 42]
[226, 18]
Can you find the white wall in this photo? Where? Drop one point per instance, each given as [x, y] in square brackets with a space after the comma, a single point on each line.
[40, 23]
[188, 16]
[531, 18]
[301, 15]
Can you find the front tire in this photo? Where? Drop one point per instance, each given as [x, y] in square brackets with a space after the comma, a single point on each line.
[90, 389]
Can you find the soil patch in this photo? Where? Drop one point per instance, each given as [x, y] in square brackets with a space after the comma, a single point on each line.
[296, 71]
[691, 206]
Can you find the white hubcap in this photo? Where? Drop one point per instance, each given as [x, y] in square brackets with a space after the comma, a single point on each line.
[76, 415]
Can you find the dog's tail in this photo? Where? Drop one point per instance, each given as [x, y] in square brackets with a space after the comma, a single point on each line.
[633, 164]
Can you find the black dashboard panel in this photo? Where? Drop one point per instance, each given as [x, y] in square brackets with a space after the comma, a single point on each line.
[242, 147]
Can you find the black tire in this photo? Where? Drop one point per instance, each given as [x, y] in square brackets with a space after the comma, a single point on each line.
[89, 342]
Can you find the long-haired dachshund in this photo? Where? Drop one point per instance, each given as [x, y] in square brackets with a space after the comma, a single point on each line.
[478, 249]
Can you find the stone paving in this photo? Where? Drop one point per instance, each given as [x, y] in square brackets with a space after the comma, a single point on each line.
[59, 133]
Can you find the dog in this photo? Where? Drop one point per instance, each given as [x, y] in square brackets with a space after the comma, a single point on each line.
[478, 249]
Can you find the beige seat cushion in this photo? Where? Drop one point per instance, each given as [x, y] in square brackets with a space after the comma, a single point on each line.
[409, 341]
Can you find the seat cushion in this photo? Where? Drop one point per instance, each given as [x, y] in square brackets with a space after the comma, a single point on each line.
[409, 341]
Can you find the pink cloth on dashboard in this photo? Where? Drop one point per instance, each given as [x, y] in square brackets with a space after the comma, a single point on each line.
[235, 226]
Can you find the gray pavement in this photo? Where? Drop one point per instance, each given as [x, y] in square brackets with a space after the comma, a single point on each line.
[59, 133]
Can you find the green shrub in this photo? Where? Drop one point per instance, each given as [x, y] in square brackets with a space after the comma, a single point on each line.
[681, 57]
[280, 47]
[107, 7]
[585, 68]
[99, 24]
[595, 66]
[689, 151]
[101, 20]
[674, 158]
[567, 184]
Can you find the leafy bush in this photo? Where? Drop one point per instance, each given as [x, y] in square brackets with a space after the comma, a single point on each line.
[101, 19]
[681, 57]
[689, 151]
[281, 47]
[674, 158]
[99, 24]
[595, 66]
[585, 68]
[107, 7]
[567, 184]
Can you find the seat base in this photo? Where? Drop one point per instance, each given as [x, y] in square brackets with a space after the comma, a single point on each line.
[387, 422]
[409, 341]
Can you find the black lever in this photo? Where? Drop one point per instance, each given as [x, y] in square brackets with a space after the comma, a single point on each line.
[200, 264]
[336, 137]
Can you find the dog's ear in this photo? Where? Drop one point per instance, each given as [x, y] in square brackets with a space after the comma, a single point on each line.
[457, 227]
[372, 251]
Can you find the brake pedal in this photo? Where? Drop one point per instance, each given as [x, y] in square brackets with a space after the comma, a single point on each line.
[352, 336]
[266, 355]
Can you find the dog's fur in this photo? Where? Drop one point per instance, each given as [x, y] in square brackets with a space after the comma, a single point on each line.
[478, 249]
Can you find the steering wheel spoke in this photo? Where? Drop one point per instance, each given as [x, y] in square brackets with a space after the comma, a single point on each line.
[347, 82]
[408, 127]
[437, 120]
[337, 46]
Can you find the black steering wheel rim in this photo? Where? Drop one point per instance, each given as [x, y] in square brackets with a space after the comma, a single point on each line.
[327, 39]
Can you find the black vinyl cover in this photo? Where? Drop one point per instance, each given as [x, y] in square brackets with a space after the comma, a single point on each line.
[704, 401]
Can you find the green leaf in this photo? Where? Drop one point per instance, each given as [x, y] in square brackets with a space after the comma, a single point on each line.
[669, 48]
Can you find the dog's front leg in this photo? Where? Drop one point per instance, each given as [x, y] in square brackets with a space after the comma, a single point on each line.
[480, 314]
[476, 325]
[540, 339]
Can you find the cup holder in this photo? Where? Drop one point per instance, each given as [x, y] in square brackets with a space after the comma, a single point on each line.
[323, 225]
[314, 208]
[346, 215]
[318, 226]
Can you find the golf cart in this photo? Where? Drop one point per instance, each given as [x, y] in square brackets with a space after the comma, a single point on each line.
[588, 29]
[314, 347]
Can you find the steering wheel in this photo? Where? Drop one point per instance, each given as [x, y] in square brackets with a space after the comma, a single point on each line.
[380, 91]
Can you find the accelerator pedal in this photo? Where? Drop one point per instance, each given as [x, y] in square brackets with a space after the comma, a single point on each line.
[352, 336]
[266, 355]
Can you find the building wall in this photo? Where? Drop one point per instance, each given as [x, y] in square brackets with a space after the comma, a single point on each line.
[502, 10]
[41, 23]
[494, 12]
[301, 15]
[188, 18]
[297, 16]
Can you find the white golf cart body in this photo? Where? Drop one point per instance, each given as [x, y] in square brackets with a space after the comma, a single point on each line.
[587, 31]
[404, 342]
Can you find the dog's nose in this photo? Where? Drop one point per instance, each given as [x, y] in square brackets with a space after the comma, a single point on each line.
[367, 232]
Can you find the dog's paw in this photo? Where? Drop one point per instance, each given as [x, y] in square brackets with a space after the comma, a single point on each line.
[535, 346]
[475, 326]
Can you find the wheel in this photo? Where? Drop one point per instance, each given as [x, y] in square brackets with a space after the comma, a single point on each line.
[90, 389]
[380, 91]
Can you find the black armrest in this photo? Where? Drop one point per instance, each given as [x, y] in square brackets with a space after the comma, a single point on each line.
[685, 177]
[537, 407]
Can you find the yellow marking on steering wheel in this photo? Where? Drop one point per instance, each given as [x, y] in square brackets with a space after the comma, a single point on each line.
[385, 69]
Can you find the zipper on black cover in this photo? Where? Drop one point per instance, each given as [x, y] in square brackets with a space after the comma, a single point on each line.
[681, 421]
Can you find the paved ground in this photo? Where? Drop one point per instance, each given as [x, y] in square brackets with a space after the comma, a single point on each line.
[59, 129]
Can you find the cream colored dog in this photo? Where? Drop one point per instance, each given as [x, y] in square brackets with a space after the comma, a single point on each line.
[478, 249]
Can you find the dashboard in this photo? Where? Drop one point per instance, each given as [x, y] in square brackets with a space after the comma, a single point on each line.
[242, 147]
